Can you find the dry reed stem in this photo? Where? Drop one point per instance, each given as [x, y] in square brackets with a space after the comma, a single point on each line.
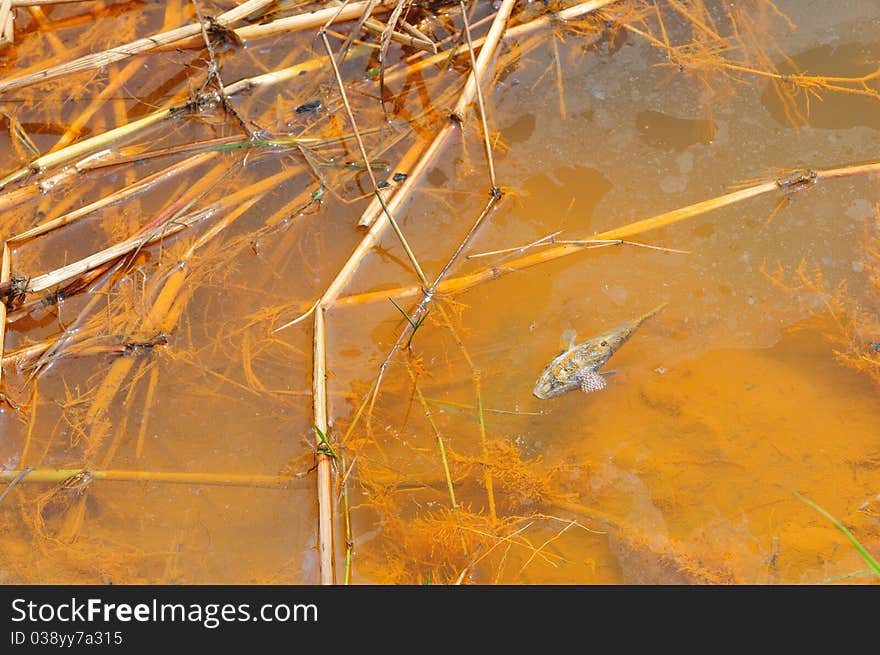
[85, 146]
[6, 25]
[20, 355]
[54, 476]
[114, 83]
[324, 474]
[99, 59]
[346, 513]
[665, 219]
[301, 22]
[167, 306]
[487, 52]
[116, 196]
[397, 199]
[586, 243]
[132, 244]
[153, 230]
[36, 3]
[5, 276]
[73, 332]
[343, 277]
[560, 17]
[418, 41]
[358, 26]
[482, 109]
[18, 196]
[366, 159]
[422, 158]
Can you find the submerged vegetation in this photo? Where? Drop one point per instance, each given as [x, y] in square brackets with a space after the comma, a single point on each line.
[206, 209]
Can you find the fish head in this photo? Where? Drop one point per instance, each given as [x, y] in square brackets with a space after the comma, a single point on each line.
[548, 385]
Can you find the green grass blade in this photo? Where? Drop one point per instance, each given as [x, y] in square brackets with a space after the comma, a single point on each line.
[327, 448]
[413, 325]
[405, 315]
[849, 535]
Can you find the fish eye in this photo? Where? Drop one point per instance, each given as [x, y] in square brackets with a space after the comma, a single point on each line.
[603, 343]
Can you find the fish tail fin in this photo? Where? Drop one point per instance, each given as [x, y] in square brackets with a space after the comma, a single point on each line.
[644, 317]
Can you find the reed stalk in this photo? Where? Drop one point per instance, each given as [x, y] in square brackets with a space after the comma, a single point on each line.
[55, 476]
[366, 159]
[116, 196]
[107, 57]
[324, 473]
[6, 23]
[427, 156]
[85, 146]
[463, 282]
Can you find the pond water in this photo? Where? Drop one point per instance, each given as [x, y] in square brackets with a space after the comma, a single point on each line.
[167, 378]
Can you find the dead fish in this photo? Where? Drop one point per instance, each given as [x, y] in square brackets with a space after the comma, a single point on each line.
[578, 366]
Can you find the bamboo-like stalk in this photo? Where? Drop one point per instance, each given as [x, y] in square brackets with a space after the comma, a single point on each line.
[54, 476]
[116, 196]
[6, 26]
[324, 475]
[418, 41]
[85, 146]
[287, 25]
[457, 284]
[346, 515]
[99, 59]
[77, 268]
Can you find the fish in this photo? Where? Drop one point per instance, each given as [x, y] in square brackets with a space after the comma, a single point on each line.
[578, 366]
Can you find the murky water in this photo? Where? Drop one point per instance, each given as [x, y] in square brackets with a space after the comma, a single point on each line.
[684, 469]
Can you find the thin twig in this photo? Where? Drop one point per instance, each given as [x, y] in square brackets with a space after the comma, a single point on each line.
[369, 169]
[495, 191]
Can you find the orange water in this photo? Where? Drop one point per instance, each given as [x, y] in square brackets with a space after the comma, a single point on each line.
[718, 410]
